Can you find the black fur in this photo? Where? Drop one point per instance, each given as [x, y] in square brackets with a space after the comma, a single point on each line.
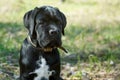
[45, 26]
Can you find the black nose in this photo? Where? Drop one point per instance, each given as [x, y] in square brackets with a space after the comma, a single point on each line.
[53, 32]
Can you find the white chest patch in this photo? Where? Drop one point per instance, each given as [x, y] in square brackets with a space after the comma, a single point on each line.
[43, 70]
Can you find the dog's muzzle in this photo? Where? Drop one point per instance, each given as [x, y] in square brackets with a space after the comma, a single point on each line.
[45, 49]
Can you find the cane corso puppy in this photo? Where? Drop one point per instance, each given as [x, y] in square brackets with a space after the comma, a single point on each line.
[39, 56]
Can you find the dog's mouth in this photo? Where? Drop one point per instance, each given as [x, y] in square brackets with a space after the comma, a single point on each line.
[53, 45]
[47, 49]
[50, 43]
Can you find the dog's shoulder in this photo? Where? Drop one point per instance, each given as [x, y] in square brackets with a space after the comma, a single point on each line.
[29, 55]
[26, 50]
[25, 43]
[26, 46]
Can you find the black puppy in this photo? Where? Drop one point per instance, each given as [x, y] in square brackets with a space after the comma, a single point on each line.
[39, 56]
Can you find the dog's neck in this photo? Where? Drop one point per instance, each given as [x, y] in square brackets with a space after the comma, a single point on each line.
[44, 49]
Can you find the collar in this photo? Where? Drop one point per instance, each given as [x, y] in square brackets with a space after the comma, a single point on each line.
[45, 49]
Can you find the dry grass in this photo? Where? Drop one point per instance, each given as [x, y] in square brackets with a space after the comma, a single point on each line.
[93, 29]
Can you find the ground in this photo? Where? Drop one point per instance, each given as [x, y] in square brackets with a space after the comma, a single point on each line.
[92, 38]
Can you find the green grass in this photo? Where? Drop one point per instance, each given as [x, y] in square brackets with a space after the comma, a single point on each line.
[93, 28]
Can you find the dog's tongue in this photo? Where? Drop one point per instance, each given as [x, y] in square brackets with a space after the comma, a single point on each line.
[62, 48]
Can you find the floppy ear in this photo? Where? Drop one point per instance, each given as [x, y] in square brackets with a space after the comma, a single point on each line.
[64, 22]
[26, 19]
[29, 21]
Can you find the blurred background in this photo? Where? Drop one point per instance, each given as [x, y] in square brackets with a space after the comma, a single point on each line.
[92, 37]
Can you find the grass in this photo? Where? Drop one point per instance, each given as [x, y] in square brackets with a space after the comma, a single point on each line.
[93, 31]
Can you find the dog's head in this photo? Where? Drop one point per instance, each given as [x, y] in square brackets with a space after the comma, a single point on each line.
[46, 25]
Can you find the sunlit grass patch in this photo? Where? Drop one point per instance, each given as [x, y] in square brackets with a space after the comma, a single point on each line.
[92, 31]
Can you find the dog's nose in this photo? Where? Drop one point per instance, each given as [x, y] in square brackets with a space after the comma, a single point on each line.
[53, 32]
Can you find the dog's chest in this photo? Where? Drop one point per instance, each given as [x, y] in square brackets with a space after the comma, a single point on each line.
[43, 70]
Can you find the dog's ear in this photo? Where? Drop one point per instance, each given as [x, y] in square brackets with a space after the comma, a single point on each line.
[64, 22]
[29, 21]
[26, 19]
